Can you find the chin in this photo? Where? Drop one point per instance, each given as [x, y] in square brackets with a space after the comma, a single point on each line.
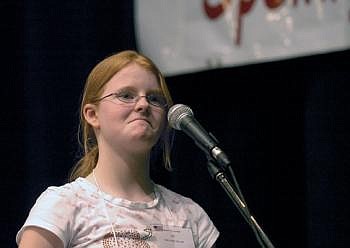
[144, 140]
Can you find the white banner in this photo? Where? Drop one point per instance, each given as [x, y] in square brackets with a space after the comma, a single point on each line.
[183, 36]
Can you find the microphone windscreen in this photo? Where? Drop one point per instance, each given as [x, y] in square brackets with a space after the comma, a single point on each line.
[176, 113]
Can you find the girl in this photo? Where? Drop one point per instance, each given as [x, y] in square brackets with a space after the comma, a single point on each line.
[111, 201]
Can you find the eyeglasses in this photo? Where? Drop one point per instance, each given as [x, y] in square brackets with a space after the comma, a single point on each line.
[154, 99]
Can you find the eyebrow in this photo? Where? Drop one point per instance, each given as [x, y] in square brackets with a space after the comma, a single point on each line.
[130, 88]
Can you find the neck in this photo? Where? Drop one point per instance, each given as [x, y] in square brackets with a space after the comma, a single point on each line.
[124, 176]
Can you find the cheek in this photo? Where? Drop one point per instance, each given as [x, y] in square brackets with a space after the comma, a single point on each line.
[111, 116]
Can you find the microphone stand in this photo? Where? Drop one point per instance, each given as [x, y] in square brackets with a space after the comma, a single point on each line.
[218, 174]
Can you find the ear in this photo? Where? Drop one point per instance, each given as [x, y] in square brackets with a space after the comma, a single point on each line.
[90, 115]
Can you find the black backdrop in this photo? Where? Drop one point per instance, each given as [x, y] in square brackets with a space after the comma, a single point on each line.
[283, 124]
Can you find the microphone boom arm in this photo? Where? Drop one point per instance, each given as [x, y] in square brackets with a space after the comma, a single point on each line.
[181, 117]
[220, 177]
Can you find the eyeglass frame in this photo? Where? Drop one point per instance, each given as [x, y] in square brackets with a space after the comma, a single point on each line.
[117, 95]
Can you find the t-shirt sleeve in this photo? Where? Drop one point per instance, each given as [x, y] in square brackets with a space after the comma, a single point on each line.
[203, 229]
[52, 211]
[207, 232]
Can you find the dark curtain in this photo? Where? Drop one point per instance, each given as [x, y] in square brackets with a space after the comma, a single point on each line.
[284, 125]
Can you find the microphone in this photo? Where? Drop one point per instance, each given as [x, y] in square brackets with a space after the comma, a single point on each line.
[180, 117]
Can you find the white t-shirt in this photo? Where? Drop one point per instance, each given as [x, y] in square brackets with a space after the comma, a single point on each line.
[81, 216]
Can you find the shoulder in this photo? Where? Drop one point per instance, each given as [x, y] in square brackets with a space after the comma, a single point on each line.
[66, 192]
[180, 203]
[61, 201]
[57, 208]
[174, 196]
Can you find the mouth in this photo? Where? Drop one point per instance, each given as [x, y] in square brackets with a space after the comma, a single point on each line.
[142, 119]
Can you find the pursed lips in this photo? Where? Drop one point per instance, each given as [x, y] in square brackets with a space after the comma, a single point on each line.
[141, 119]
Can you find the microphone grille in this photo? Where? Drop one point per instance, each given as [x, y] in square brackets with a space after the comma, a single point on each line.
[176, 113]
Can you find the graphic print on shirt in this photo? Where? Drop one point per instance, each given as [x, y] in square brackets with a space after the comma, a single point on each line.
[127, 239]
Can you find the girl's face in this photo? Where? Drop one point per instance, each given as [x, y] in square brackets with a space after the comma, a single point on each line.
[127, 119]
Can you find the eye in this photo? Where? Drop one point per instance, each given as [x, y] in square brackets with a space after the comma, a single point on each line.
[125, 95]
[157, 99]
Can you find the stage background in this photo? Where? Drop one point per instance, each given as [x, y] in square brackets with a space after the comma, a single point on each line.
[284, 125]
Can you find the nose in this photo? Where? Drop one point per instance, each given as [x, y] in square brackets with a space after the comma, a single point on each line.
[141, 103]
